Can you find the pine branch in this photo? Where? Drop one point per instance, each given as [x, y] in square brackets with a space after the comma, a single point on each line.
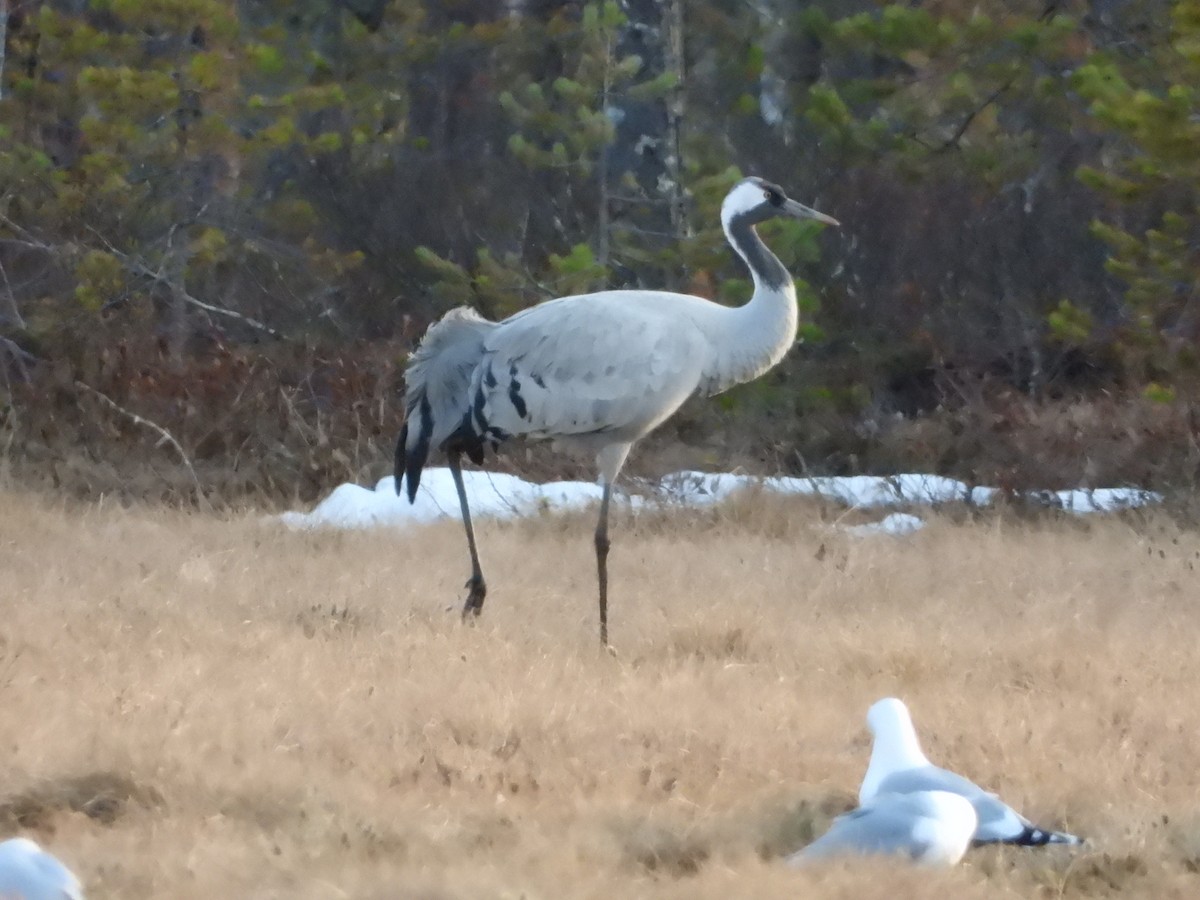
[953, 140]
[137, 266]
[26, 239]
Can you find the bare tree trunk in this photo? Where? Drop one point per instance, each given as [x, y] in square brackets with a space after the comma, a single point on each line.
[187, 200]
[177, 315]
[673, 26]
[603, 244]
[772, 83]
[643, 157]
[3, 41]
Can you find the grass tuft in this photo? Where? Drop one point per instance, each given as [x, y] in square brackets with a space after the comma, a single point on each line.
[196, 706]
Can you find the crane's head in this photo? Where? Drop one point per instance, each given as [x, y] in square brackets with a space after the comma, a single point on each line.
[755, 200]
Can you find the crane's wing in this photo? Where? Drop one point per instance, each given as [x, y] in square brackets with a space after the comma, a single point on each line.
[598, 363]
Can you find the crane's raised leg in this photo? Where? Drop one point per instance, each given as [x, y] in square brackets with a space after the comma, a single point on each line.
[602, 561]
[478, 588]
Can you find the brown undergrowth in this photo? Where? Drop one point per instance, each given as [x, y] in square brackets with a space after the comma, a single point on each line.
[199, 706]
[284, 423]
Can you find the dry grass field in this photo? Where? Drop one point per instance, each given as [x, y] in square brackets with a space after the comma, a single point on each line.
[198, 706]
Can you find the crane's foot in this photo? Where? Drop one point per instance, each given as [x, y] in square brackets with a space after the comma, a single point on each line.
[476, 592]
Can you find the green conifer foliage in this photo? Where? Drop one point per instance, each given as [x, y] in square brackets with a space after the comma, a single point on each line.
[1153, 181]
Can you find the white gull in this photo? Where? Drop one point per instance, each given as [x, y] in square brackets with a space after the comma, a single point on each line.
[27, 872]
[930, 828]
[898, 766]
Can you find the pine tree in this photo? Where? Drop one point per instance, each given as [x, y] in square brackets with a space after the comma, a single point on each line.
[144, 141]
[1154, 185]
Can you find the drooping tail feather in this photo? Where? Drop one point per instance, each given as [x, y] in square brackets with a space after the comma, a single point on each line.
[436, 396]
[413, 448]
[410, 460]
[398, 467]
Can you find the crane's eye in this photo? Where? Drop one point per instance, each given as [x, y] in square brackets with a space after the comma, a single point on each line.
[773, 197]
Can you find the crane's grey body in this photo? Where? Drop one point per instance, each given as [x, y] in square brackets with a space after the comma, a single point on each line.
[594, 372]
[898, 765]
[929, 827]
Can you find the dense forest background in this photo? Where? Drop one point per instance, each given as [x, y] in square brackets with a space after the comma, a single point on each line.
[225, 223]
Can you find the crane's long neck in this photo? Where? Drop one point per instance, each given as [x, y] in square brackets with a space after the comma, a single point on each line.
[759, 333]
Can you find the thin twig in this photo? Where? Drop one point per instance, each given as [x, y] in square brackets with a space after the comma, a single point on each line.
[222, 311]
[136, 265]
[22, 359]
[953, 140]
[12, 298]
[3, 41]
[25, 237]
[139, 420]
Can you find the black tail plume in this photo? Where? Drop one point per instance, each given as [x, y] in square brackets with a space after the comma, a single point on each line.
[398, 467]
[411, 456]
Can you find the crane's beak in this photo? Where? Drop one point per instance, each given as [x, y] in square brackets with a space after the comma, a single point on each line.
[800, 211]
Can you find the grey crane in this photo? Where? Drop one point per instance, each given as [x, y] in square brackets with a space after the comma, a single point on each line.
[594, 372]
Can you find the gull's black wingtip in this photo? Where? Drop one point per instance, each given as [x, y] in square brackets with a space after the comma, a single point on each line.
[1040, 837]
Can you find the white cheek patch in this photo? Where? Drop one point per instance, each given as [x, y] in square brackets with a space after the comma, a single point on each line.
[743, 198]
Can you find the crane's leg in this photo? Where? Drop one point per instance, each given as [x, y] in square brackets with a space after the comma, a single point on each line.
[609, 460]
[602, 546]
[478, 588]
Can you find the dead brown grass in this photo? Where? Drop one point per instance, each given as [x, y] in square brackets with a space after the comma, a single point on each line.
[197, 707]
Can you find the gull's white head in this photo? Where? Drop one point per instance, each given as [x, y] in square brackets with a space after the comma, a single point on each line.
[888, 716]
[756, 200]
[895, 748]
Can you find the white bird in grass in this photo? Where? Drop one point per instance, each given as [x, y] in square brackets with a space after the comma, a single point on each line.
[931, 828]
[27, 872]
[898, 766]
[594, 372]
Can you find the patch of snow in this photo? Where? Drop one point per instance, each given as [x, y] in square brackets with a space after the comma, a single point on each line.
[489, 494]
[699, 488]
[893, 523]
[983, 496]
[501, 496]
[860, 491]
[1097, 500]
